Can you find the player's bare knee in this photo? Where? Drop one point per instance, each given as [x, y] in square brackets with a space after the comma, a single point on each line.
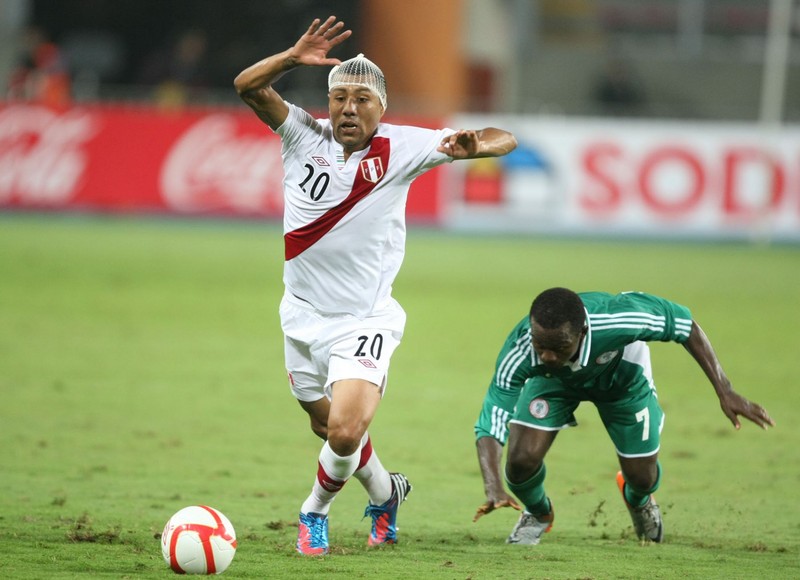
[344, 441]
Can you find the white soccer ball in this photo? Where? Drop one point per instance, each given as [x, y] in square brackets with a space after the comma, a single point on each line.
[198, 540]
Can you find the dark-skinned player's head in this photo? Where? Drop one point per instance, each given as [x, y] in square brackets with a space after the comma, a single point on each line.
[553, 307]
[558, 324]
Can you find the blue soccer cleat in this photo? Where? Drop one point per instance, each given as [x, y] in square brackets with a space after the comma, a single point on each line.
[384, 516]
[312, 534]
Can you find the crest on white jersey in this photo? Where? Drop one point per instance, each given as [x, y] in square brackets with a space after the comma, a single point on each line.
[372, 169]
[320, 161]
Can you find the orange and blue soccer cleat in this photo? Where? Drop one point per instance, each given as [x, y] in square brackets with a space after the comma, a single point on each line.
[312, 534]
[384, 516]
[646, 519]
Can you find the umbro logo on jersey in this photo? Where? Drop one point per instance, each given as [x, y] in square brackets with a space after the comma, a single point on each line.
[367, 363]
[321, 161]
[372, 169]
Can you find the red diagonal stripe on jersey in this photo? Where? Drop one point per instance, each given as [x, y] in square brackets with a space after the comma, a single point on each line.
[298, 241]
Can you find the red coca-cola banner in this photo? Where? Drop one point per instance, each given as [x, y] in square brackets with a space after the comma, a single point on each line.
[138, 159]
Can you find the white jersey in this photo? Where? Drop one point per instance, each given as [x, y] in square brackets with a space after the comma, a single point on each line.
[344, 222]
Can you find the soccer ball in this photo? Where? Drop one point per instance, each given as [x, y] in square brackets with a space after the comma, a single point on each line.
[198, 540]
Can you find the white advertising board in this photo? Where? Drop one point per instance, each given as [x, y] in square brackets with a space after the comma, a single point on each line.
[630, 178]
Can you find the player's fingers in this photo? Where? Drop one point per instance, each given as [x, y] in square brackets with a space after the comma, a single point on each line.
[732, 415]
[467, 135]
[341, 37]
[762, 418]
[333, 30]
[313, 27]
[483, 510]
[507, 503]
[326, 25]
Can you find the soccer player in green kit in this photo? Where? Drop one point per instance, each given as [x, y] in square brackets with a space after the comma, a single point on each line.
[588, 347]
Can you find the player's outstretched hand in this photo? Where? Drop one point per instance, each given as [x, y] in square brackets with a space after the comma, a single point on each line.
[735, 405]
[493, 504]
[312, 48]
[462, 144]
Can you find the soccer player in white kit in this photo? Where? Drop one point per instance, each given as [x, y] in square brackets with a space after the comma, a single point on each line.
[345, 188]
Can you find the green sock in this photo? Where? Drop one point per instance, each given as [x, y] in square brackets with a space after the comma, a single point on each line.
[531, 493]
[637, 497]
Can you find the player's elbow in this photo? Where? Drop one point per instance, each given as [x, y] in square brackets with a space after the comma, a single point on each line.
[507, 143]
[246, 84]
[241, 86]
[512, 143]
[496, 142]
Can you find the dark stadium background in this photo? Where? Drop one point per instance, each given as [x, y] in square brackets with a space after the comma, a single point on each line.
[689, 59]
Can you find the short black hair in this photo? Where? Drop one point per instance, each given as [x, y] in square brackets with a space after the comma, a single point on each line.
[553, 307]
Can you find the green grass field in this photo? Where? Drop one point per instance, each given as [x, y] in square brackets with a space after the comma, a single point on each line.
[141, 370]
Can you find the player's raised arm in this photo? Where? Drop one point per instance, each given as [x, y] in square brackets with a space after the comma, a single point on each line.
[254, 84]
[732, 403]
[470, 144]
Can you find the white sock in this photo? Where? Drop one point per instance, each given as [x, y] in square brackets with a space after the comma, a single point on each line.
[372, 474]
[332, 473]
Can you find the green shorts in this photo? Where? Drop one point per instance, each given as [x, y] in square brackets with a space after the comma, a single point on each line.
[632, 416]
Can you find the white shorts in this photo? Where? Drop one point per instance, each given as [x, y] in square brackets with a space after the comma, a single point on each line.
[321, 349]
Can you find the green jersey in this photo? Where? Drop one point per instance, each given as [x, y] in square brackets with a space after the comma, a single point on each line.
[611, 369]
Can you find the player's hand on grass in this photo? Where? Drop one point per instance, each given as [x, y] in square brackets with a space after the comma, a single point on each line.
[312, 48]
[495, 503]
[734, 405]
